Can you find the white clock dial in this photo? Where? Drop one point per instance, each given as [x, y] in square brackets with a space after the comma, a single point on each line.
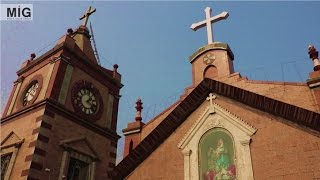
[30, 93]
[87, 101]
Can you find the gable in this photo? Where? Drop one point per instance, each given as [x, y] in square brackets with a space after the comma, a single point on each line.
[217, 116]
[218, 121]
[80, 145]
[297, 115]
[11, 139]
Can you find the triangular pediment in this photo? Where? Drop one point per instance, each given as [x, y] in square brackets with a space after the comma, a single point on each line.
[11, 139]
[81, 145]
[217, 116]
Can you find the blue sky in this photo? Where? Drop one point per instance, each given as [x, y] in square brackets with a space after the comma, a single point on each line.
[151, 43]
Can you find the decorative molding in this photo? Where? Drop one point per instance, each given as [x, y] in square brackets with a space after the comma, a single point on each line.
[55, 107]
[19, 80]
[186, 152]
[215, 122]
[245, 142]
[16, 142]
[13, 99]
[209, 58]
[67, 144]
[38, 79]
[191, 131]
[62, 57]
[70, 151]
[132, 131]
[251, 129]
[40, 59]
[65, 84]
[213, 46]
[239, 130]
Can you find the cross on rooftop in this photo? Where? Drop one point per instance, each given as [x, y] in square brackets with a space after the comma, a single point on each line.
[211, 98]
[85, 17]
[208, 21]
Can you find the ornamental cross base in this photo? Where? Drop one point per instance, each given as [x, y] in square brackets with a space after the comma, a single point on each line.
[211, 98]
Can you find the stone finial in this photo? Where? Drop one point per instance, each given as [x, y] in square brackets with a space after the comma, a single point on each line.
[139, 109]
[70, 31]
[314, 56]
[115, 67]
[32, 56]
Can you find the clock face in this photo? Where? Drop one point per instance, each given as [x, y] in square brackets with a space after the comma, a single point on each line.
[30, 93]
[86, 99]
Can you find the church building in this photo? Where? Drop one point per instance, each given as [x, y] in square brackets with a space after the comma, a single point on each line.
[227, 127]
[60, 119]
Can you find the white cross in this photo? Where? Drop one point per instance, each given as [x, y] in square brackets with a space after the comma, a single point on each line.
[208, 21]
[85, 17]
[211, 98]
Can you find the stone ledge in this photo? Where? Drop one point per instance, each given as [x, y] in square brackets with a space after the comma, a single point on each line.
[214, 46]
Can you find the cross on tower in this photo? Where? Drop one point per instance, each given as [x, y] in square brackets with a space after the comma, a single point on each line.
[208, 21]
[85, 17]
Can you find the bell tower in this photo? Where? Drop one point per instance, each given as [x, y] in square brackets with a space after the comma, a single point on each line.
[60, 119]
[314, 76]
[215, 59]
[211, 61]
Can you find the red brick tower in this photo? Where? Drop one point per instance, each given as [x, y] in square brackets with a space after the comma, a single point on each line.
[314, 81]
[212, 61]
[60, 119]
[132, 132]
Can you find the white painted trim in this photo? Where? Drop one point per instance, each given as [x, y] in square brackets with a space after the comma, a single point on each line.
[314, 85]
[45, 83]
[131, 132]
[14, 98]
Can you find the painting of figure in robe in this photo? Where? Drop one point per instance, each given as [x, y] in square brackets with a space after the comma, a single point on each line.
[217, 156]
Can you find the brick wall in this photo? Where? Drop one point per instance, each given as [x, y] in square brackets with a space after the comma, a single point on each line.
[279, 150]
[135, 138]
[65, 129]
[24, 127]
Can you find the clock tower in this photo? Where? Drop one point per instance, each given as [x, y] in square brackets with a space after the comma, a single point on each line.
[60, 119]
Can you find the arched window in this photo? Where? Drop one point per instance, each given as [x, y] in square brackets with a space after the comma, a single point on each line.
[210, 72]
[217, 155]
[217, 146]
[130, 146]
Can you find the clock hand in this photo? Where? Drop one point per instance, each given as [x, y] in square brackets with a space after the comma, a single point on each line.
[89, 100]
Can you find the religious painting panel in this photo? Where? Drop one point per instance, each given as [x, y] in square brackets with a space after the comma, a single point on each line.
[217, 156]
